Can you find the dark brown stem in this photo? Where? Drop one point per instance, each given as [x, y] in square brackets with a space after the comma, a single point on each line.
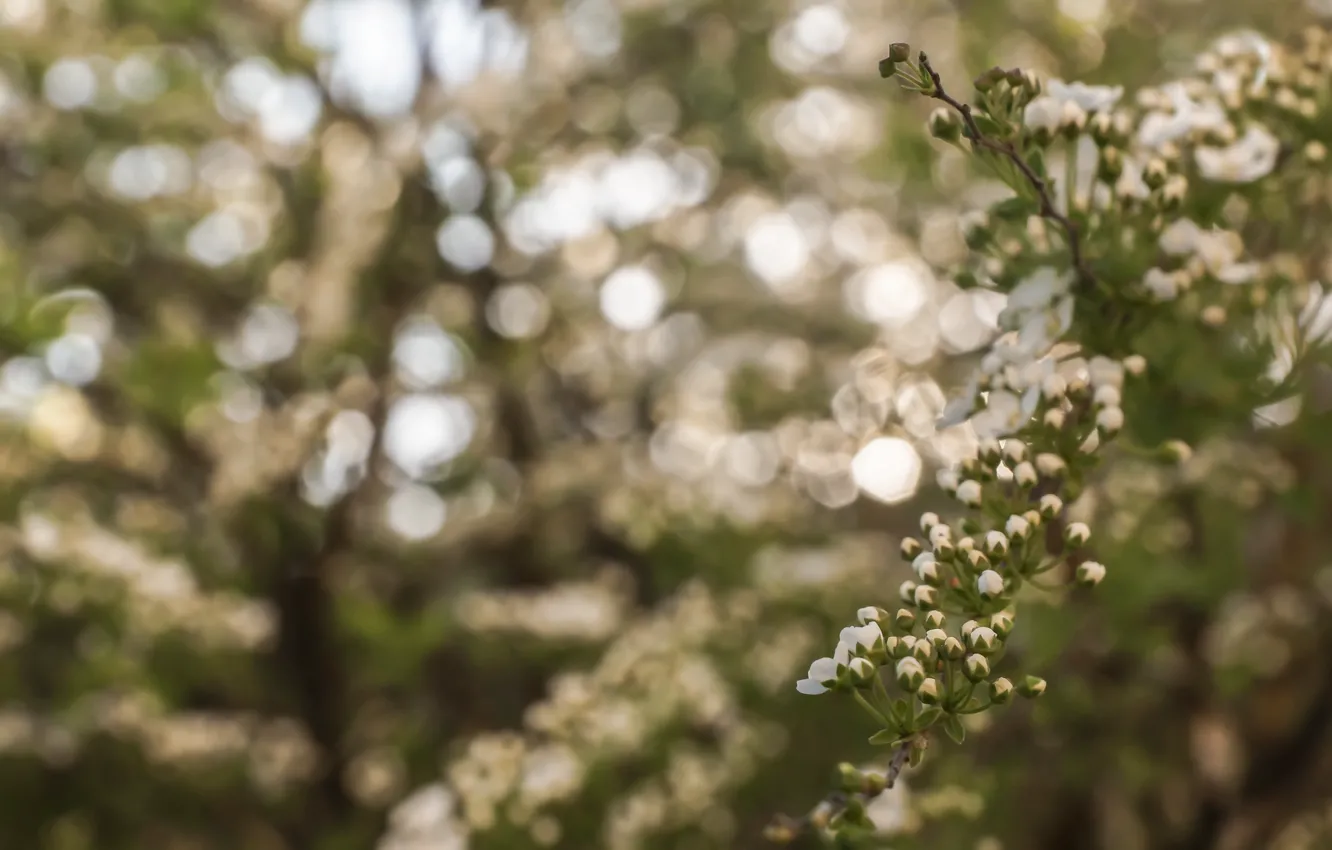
[1005, 149]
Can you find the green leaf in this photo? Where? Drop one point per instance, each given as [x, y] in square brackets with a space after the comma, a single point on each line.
[885, 737]
[901, 713]
[1014, 209]
[927, 718]
[952, 725]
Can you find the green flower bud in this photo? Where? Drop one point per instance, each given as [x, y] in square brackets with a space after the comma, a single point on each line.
[1001, 691]
[910, 674]
[945, 125]
[923, 650]
[953, 649]
[899, 51]
[1090, 573]
[910, 548]
[1032, 687]
[905, 619]
[887, 68]
[929, 692]
[935, 620]
[849, 778]
[988, 80]
[977, 667]
[908, 592]
[1002, 624]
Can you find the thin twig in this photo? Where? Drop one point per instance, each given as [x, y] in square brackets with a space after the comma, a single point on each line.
[785, 829]
[1006, 150]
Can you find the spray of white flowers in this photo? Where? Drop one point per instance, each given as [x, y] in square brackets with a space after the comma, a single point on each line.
[1122, 223]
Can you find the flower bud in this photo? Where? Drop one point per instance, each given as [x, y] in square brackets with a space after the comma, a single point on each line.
[969, 493]
[990, 584]
[977, 667]
[989, 450]
[1033, 518]
[935, 620]
[1031, 687]
[887, 68]
[940, 534]
[996, 544]
[928, 520]
[1111, 164]
[910, 674]
[905, 619]
[907, 592]
[1050, 506]
[1155, 173]
[929, 692]
[945, 125]
[900, 648]
[1001, 691]
[923, 650]
[870, 614]
[1054, 419]
[1176, 451]
[1077, 534]
[1135, 364]
[936, 637]
[982, 639]
[926, 597]
[1050, 464]
[1109, 420]
[926, 568]
[1053, 387]
[952, 649]
[945, 551]
[862, 671]
[849, 778]
[1025, 475]
[899, 52]
[1090, 573]
[967, 627]
[1106, 395]
[1002, 623]
[978, 560]
[1015, 451]
[989, 79]
[910, 548]
[947, 479]
[966, 544]
[1017, 527]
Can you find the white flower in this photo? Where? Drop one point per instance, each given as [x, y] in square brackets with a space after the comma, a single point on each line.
[1089, 98]
[990, 584]
[1036, 292]
[1158, 129]
[947, 479]
[862, 639]
[1044, 112]
[1180, 237]
[1004, 413]
[1250, 158]
[1315, 318]
[823, 672]
[1163, 285]
[969, 493]
[959, 409]
[1104, 372]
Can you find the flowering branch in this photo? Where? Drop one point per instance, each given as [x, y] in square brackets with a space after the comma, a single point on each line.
[1006, 149]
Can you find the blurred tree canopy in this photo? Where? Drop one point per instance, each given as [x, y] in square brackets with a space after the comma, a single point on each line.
[433, 425]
